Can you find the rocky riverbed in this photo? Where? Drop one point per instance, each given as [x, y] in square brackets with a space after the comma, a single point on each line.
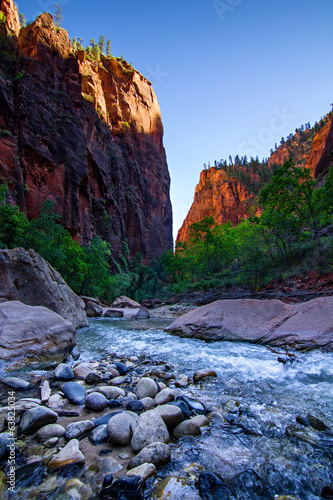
[142, 414]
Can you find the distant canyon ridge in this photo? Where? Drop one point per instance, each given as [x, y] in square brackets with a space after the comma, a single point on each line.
[226, 197]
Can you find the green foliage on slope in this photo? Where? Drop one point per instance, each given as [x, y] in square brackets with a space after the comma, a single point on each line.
[294, 233]
[87, 270]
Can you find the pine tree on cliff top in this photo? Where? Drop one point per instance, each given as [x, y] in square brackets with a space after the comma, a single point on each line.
[108, 48]
[23, 22]
[96, 52]
[101, 44]
[58, 15]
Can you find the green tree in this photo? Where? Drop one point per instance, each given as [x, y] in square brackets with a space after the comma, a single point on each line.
[296, 206]
[13, 223]
[74, 45]
[97, 278]
[89, 53]
[58, 15]
[80, 43]
[291, 193]
[96, 53]
[101, 44]
[108, 48]
[23, 22]
[54, 244]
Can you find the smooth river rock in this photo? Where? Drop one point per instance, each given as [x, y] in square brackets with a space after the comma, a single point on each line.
[201, 420]
[303, 326]
[93, 378]
[74, 392]
[63, 372]
[110, 392]
[121, 427]
[69, 455]
[156, 453]
[148, 403]
[78, 429]
[50, 431]
[170, 414]
[15, 382]
[145, 471]
[187, 428]
[121, 367]
[146, 387]
[164, 397]
[201, 374]
[37, 417]
[95, 401]
[150, 428]
[82, 370]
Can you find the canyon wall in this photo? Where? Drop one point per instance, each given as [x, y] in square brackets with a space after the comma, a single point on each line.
[85, 134]
[216, 196]
[227, 199]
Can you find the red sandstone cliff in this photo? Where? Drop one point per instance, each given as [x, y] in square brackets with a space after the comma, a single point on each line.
[309, 149]
[228, 199]
[216, 196]
[85, 134]
[12, 18]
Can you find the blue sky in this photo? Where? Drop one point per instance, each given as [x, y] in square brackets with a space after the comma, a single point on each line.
[231, 76]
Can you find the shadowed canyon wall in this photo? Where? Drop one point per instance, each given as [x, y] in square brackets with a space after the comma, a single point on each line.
[85, 134]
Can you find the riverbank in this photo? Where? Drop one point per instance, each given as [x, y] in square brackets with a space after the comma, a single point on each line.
[298, 288]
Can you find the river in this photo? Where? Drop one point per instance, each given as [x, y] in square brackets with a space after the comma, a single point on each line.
[260, 398]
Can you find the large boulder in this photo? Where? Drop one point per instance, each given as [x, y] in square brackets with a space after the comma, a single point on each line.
[27, 277]
[124, 301]
[303, 326]
[93, 310]
[33, 334]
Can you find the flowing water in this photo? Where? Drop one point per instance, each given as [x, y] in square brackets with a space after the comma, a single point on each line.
[258, 448]
[260, 398]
